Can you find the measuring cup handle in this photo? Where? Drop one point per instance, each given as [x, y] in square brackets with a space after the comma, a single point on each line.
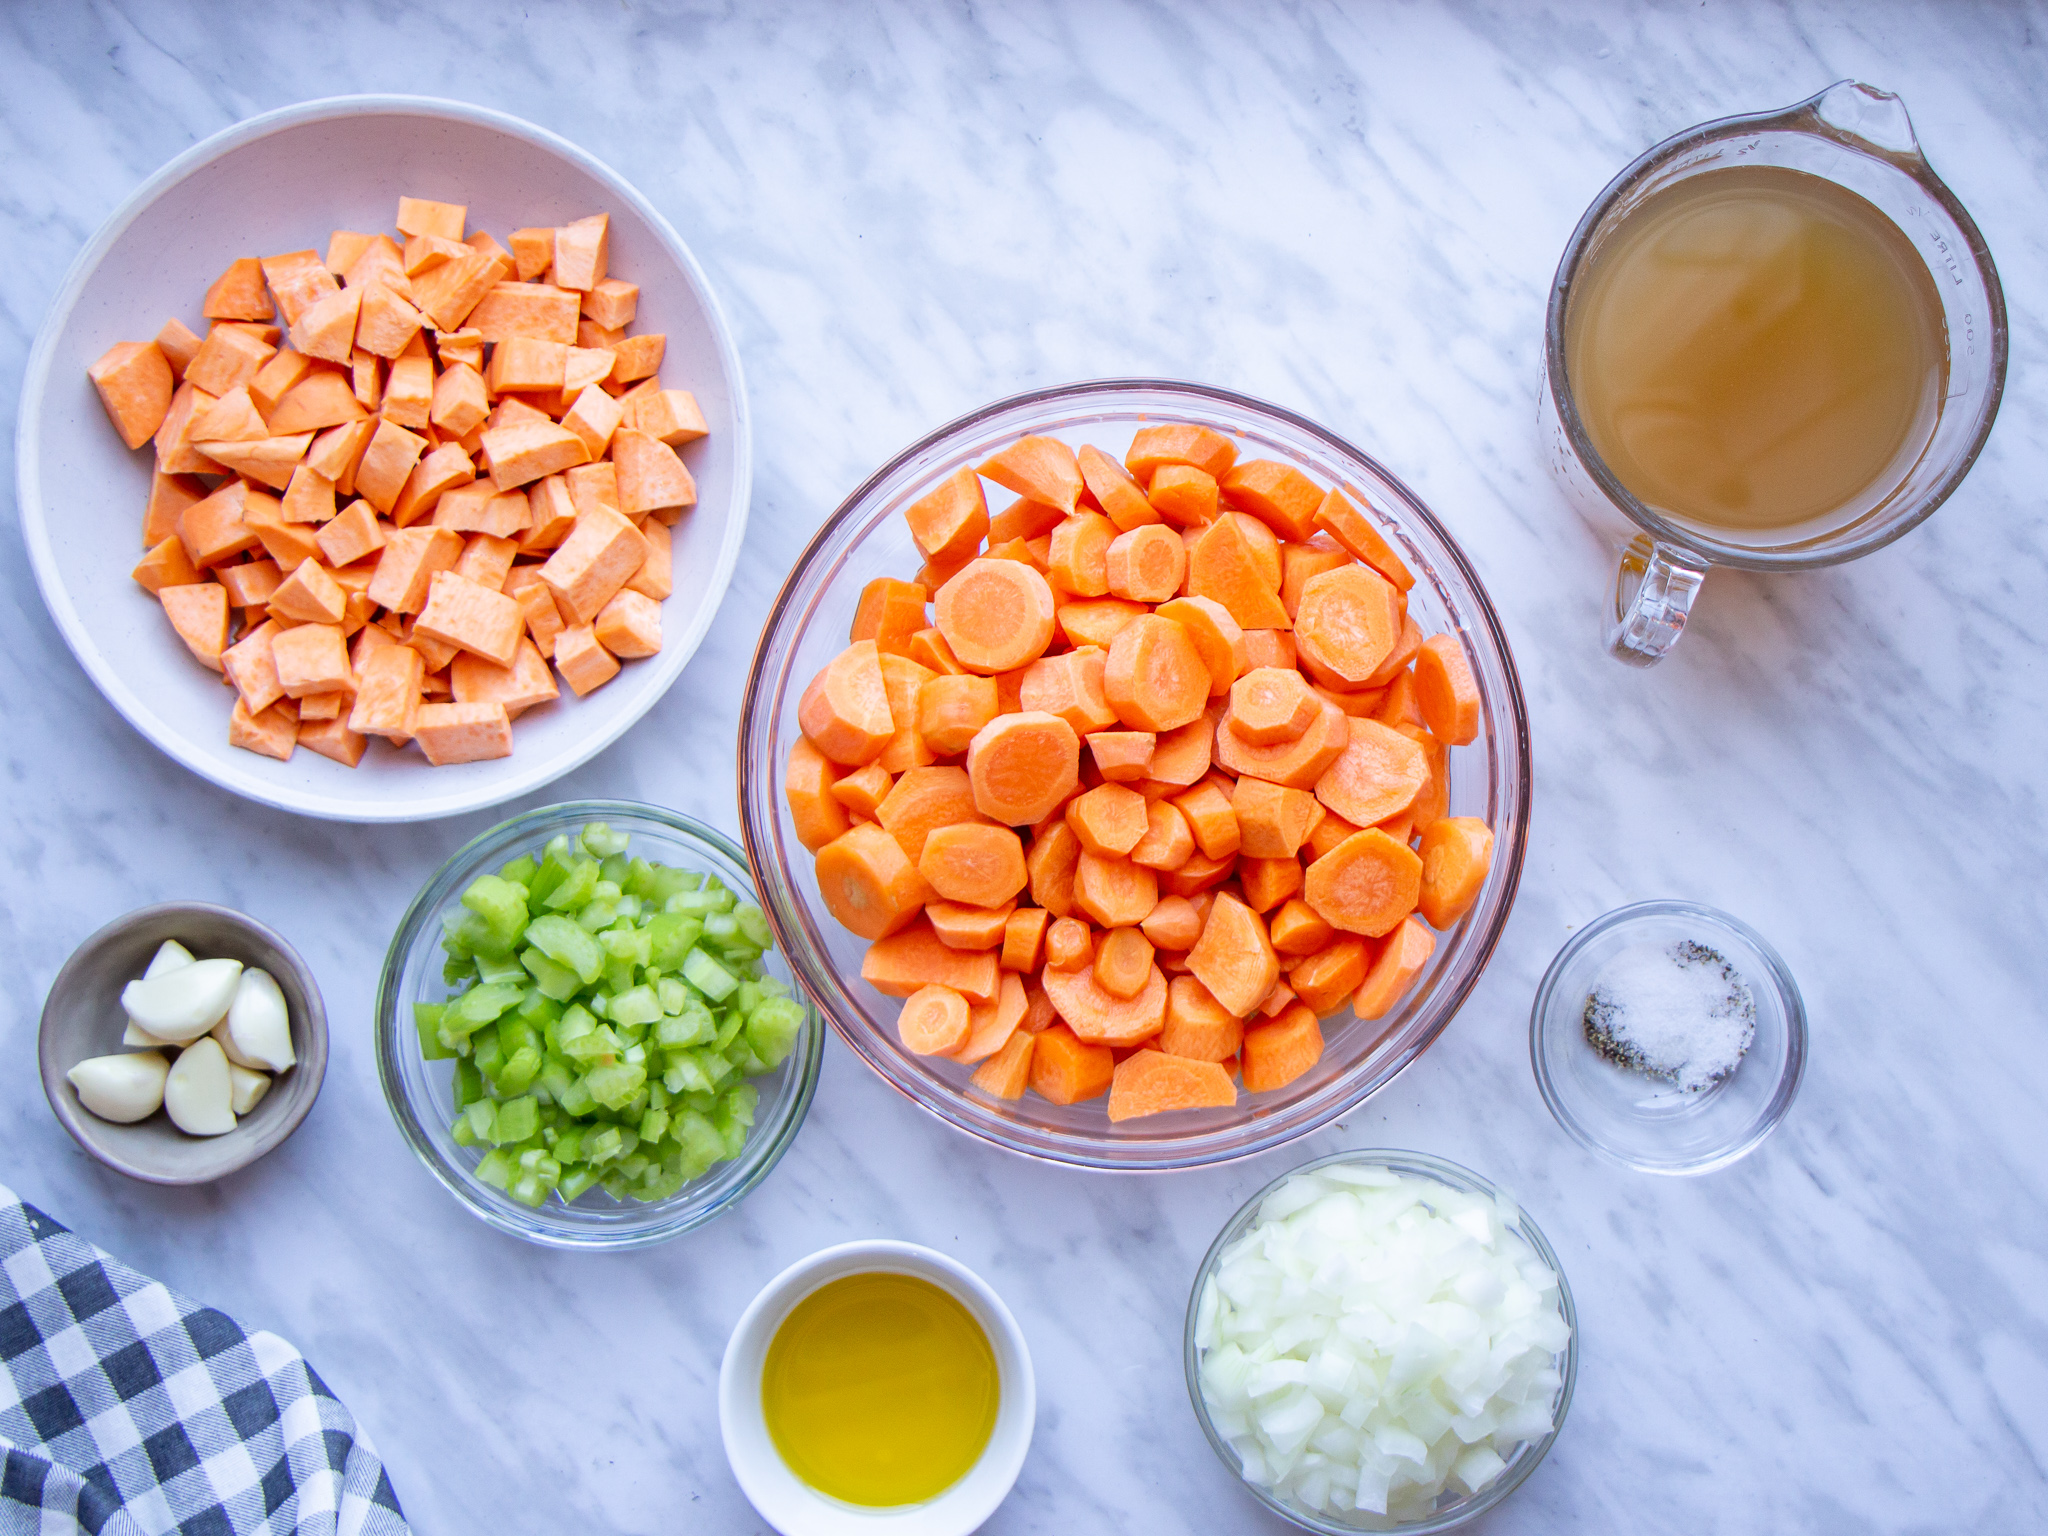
[1653, 593]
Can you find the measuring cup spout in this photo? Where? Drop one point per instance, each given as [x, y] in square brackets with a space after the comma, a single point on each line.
[1874, 119]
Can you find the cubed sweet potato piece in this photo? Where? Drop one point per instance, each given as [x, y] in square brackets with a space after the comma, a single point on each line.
[533, 251]
[198, 611]
[229, 356]
[387, 464]
[594, 418]
[463, 733]
[460, 402]
[522, 685]
[446, 468]
[533, 311]
[311, 658]
[650, 474]
[385, 322]
[388, 684]
[166, 565]
[420, 216]
[612, 302]
[310, 595]
[354, 533]
[213, 530]
[327, 327]
[465, 613]
[237, 294]
[637, 357]
[523, 452]
[581, 251]
[656, 576]
[598, 558]
[251, 584]
[272, 732]
[134, 381]
[486, 560]
[629, 625]
[406, 569]
[300, 280]
[582, 659]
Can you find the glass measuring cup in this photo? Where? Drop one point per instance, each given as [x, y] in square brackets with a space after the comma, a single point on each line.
[1859, 138]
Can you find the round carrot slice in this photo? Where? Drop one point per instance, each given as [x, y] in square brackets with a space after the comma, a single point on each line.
[868, 883]
[1446, 691]
[1069, 944]
[1219, 639]
[1123, 962]
[1115, 892]
[996, 615]
[1269, 705]
[845, 711]
[933, 1021]
[1022, 766]
[1348, 621]
[1147, 564]
[1155, 677]
[974, 863]
[1377, 775]
[1366, 884]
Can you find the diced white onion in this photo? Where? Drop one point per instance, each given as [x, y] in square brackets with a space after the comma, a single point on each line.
[1374, 1338]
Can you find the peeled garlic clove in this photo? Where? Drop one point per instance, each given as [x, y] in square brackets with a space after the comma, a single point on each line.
[226, 1037]
[259, 1023]
[135, 1034]
[122, 1089]
[183, 1004]
[170, 956]
[246, 1088]
[198, 1093]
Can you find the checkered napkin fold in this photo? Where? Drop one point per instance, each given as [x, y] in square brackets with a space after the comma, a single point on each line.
[127, 1409]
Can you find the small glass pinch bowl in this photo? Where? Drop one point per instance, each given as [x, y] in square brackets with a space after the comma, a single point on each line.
[420, 1092]
[1630, 1118]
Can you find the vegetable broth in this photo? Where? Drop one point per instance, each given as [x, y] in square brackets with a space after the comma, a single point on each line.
[880, 1389]
[1755, 349]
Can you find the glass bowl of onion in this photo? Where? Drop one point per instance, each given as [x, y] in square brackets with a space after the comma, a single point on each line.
[1381, 1341]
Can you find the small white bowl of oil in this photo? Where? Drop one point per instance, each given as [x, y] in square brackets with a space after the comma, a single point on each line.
[876, 1389]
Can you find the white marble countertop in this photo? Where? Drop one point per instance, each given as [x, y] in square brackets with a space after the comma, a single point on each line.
[912, 209]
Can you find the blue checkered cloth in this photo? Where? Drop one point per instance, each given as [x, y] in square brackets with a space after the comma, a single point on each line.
[129, 1410]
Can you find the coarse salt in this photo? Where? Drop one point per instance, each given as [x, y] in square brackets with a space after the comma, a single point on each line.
[1679, 1013]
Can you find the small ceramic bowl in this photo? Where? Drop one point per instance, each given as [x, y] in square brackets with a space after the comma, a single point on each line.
[82, 1018]
[791, 1505]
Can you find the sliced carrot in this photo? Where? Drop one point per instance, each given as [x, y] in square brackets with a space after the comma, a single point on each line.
[1180, 443]
[1219, 639]
[1434, 798]
[1456, 853]
[928, 647]
[1122, 756]
[1007, 1074]
[1042, 468]
[1223, 566]
[933, 1021]
[1153, 1083]
[1114, 892]
[1025, 519]
[1298, 764]
[1358, 703]
[1168, 842]
[1098, 621]
[1154, 676]
[1109, 820]
[868, 883]
[1326, 978]
[845, 711]
[1054, 855]
[1297, 929]
[1024, 940]
[1268, 882]
[1234, 957]
[1398, 705]
[1347, 623]
[1445, 689]
[1210, 818]
[1173, 924]
[974, 863]
[1400, 960]
[902, 680]
[1349, 526]
[1183, 495]
[1277, 1001]
[1400, 828]
[1123, 960]
[950, 522]
[1069, 685]
[863, 790]
[1270, 705]
[1406, 647]
[901, 963]
[1114, 490]
[952, 709]
[1378, 775]
[960, 926]
[1040, 1013]
[1101, 1017]
[1278, 495]
[1068, 1070]
[1264, 547]
[889, 611]
[1366, 884]
[990, 1025]
[807, 786]
[996, 614]
[1146, 565]
[1022, 765]
[923, 800]
[1197, 1026]
[1278, 1052]
[1299, 562]
[1273, 821]
[1200, 873]
[1268, 648]
[1069, 944]
[1077, 559]
[1182, 756]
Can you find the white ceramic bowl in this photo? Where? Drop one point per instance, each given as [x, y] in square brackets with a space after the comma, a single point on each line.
[283, 182]
[792, 1506]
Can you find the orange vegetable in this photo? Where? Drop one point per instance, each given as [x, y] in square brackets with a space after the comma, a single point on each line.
[1069, 685]
[1277, 1001]
[1351, 528]
[1398, 705]
[974, 863]
[1278, 495]
[1456, 853]
[1297, 929]
[863, 790]
[1183, 495]
[1198, 874]
[1434, 798]
[1121, 756]
[1123, 961]
[1114, 490]
[889, 613]
[1054, 855]
[1347, 623]
[1146, 565]
[1182, 756]
[933, 1021]
[1269, 648]
[1023, 765]
[1066, 1069]
[1109, 820]
[1155, 678]
[950, 522]
[1210, 819]
[1326, 978]
[1400, 960]
[1377, 775]
[1446, 690]
[902, 681]
[1298, 764]
[1180, 443]
[922, 800]
[1025, 519]
[1024, 940]
[996, 615]
[901, 963]
[990, 1025]
[1300, 562]
[868, 883]
[1007, 1074]
[1358, 703]
[1114, 892]
[952, 709]
[1041, 468]
[960, 926]
[1366, 884]
[1167, 843]
[1405, 649]
[928, 647]
[1268, 882]
[1097, 622]
[1101, 1017]
[845, 711]
[1264, 547]
[1069, 944]
[1173, 924]
[1152, 1083]
[1222, 565]
[1198, 1026]
[1218, 638]
[1078, 557]
[1269, 705]
[1273, 821]
[1278, 1052]
[1234, 957]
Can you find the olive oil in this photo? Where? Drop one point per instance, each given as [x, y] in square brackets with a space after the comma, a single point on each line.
[1755, 349]
[880, 1390]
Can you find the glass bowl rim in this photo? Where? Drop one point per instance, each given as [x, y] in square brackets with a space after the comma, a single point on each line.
[1484, 617]
[1790, 1074]
[652, 1224]
[1453, 1176]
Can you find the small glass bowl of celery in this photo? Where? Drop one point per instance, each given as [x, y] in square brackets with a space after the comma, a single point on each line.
[584, 1033]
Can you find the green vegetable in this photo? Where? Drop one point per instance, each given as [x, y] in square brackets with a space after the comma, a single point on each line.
[606, 1014]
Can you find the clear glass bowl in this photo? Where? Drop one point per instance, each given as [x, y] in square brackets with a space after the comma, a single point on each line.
[1452, 1509]
[420, 1092]
[1627, 1117]
[867, 537]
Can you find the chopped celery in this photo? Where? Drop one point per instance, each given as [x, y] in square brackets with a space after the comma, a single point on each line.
[426, 1018]
[563, 941]
[708, 976]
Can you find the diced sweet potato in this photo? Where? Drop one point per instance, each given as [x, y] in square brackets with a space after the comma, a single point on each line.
[198, 611]
[582, 659]
[238, 294]
[311, 658]
[634, 357]
[405, 570]
[581, 251]
[387, 464]
[598, 558]
[672, 416]
[229, 356]
[526, 311]
[251, 665]
[166, 565]
[629, 625]
[471, 616]
[272, 733]
[134, 383]
[389, 681]
[650, 475]
[522, 452]
[354, 533]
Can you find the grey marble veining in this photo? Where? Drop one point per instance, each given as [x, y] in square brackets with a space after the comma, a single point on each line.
[1354, 211]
